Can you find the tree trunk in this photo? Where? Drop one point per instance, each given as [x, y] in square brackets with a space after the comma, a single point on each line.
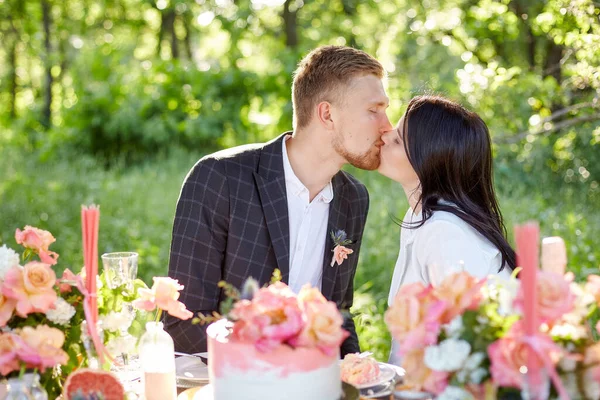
[12, 78]
[187, 40]
[291, 25]
[350, 10]
[46, 110]
[552, 66]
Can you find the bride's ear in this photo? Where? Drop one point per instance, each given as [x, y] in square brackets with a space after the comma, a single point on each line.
[324, 115]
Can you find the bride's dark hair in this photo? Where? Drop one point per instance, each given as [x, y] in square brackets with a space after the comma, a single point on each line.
[449, 148]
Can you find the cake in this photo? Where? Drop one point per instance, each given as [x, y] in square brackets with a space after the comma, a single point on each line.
[277, 346]
[359, 370]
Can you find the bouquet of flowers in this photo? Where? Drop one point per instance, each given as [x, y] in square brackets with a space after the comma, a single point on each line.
[41, 316]
[274, 315]
[464, 339]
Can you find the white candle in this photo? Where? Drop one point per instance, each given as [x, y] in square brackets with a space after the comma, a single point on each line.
[554, 255]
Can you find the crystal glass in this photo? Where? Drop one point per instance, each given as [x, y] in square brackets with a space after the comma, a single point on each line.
[536, 385]
[88, 343]
[32, 381]
[121, 268]
[18, 390]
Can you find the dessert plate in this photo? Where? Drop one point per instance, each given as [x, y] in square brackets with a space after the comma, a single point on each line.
[387, 372]
[191, 370]
[349, 392]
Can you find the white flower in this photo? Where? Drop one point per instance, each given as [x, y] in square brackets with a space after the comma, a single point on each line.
[62, 312]
[454, 328]
[477, 376]
[450, 355]
[455, 393]
[471, 370]
[116, 321]
[504, 291]
[8, 259]
[120, 345]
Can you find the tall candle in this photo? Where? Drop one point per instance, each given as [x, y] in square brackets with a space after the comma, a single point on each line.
[527, 237]
[554, 255]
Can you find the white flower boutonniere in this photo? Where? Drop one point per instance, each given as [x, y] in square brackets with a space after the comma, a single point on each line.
[340, 251]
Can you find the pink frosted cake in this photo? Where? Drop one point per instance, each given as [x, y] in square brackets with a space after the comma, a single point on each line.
[357, 370]
[281, 346]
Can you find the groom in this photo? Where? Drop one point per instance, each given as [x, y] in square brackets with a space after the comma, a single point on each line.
[245, 211]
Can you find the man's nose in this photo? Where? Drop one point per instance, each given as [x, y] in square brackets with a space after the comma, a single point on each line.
[386, 125]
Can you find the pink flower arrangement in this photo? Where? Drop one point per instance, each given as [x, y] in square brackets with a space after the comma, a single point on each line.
[38, 241]
[163, 296]
[275, 316]
[467, 333]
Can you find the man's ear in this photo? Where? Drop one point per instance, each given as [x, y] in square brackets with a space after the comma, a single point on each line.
[324, 111]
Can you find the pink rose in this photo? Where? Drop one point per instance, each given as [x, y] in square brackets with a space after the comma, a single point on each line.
[41, 347]
[414, 318]
[419, 377]
[37, 240]
[163, 295]
[340, 253]
[67, 280]
[322, 322]
[509, 354]
[271, 318]
[7, 307]
[553, 295]
[592, 359]
[32, 287]
[461, 291]
[593, 286]
[8, 354]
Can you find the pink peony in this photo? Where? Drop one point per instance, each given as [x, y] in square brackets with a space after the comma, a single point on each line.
[509, 354]
[271, 318]
[163, 295]
[67, 280]
[7, 308]
[553, 295]
[31, 286]
[340, 253]
[461, 291]
[8, 354]
[419, 377]
[414, 318]
[41, 347]
[322, 322]
[37, 240]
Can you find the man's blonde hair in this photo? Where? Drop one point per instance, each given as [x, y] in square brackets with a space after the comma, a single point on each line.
[324, 74]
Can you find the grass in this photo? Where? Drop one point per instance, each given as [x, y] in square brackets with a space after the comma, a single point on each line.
[138, 205]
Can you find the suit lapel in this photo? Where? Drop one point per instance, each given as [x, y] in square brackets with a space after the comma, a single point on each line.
[270, 181]
[338, 211]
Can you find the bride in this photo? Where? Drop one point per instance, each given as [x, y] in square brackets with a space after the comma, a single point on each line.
[441, 155]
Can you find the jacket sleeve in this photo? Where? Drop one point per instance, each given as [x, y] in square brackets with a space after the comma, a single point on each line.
[198, 246]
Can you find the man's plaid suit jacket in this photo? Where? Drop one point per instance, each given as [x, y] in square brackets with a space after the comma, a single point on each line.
[232, 223]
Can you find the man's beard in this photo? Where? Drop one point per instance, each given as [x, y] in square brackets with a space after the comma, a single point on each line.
[369, 160]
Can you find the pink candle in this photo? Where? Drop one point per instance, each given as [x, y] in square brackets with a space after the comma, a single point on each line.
[527, 237]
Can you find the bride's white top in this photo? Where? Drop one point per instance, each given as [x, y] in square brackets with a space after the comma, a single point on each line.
[443, 245]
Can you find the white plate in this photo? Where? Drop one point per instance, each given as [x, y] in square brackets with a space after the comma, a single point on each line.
[191, 369]
[412, 395]
[387, 372]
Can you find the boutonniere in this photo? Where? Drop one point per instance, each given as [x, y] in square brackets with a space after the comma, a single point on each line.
[340, 251]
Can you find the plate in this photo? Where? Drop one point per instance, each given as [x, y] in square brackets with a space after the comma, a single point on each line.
[387, 372]
[190, 370]
[412, 395]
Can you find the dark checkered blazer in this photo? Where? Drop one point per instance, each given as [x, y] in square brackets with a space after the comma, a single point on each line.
[232, 223]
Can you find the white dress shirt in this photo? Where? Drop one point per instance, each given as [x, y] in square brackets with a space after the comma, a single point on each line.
[308, 228]
[445, 244]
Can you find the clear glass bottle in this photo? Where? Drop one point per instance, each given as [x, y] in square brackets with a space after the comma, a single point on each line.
[17, 390]
[157, 359]
[35, 388]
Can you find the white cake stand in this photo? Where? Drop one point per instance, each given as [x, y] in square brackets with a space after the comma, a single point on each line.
[206, 393]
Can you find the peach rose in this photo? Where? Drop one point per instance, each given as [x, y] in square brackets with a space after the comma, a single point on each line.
[272, 317]
[8, 354]
[414, 318]
[37, 240]
[32, 287]
[461, 291]
[509, 354]
[592, 358]
[7, 307]
[593, 287]
[340, 253]
[553, 295]
[41, 347]
[322, 324]
[163, 295]
[419, 377]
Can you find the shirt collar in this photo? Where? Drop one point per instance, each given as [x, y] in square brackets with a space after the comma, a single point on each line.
[295, 185]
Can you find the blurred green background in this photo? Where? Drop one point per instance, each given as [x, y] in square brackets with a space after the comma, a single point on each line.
[112, 101]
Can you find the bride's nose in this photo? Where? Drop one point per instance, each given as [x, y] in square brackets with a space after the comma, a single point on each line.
[386, 137]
